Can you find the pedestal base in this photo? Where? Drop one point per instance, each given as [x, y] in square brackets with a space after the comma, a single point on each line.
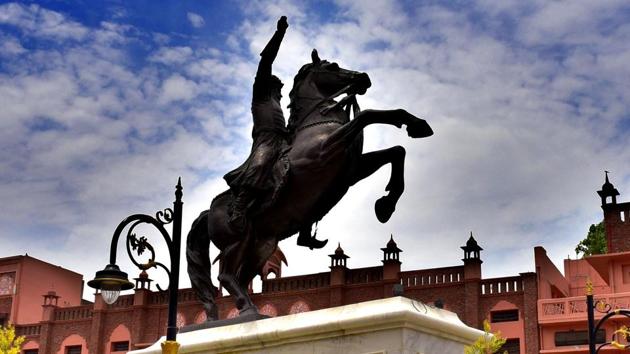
[388, 326]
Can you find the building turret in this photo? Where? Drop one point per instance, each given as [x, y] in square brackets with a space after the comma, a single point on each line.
[274, 265]
[51, 300]
[338, 259]
[472, 250]
[472, 280]
[143, 281]
[608, 190]
[391, 253]
[616, 223]
[337, 276]
[391, 267]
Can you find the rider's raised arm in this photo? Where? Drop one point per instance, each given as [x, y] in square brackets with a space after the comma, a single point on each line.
[268, 55]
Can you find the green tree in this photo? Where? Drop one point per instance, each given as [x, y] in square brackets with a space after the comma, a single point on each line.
[487, 343]
[594, 243]
[9, 342]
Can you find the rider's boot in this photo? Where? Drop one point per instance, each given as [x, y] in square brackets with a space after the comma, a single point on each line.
[239, 209]
[305, 239]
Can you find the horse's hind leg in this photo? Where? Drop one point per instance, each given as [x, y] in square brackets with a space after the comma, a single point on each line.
[234, 264]
[254, 263]
[370, 163]
[198, 257]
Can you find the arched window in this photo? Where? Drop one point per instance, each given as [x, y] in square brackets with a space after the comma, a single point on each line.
[73, 344]
[233, 313]
[119, 340]
[299, 306]
[269, 310]
[201, 317]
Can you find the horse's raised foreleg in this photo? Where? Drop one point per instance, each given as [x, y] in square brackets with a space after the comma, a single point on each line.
[416, 127]
[370, 163]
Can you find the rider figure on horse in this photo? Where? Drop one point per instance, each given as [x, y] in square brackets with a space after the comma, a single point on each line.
[259, 178]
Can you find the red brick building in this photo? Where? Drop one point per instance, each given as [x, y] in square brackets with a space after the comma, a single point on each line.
[138, 320]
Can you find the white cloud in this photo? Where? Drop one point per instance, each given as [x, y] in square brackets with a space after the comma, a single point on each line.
[195, 19]
[10, 46]
[36, 20]
[172, 55]
[176, 88]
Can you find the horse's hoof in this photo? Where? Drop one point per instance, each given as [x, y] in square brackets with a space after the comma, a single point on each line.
[311, 242]
[249, 311]
[419, 129]
[384, 209]
[315, 243]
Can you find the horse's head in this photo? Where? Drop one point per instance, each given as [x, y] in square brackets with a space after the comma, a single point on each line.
[329, 78]
[321, 79]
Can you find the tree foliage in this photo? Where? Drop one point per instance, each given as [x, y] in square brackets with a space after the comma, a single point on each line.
[9, 342]
[594, 243]
[487, 343]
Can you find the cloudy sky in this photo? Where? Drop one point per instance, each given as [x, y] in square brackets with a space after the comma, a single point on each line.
[103, 105]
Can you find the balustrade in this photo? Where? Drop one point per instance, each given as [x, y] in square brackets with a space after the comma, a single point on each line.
[305, 282]
[562, 309]
[501, 285]
[73, 313]
[432, 277]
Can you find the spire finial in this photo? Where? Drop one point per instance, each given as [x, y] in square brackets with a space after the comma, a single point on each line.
[178, 189]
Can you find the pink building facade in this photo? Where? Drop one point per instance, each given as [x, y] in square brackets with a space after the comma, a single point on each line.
[562, 303]
[23, 282]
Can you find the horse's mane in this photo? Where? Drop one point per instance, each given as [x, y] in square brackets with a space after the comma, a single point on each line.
[294, 108]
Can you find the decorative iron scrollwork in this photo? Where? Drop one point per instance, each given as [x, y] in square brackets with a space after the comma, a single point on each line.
[602, 306]
[165, 217]
[141, 244]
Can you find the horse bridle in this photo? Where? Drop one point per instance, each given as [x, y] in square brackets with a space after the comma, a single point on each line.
[350, 102]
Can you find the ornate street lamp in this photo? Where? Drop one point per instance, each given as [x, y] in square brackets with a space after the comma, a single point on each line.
[603, 307]
[112, 280]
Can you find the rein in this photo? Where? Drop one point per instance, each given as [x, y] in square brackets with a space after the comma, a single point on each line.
[350, 102]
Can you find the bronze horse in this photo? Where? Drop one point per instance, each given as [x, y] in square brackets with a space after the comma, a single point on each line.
[326, 158]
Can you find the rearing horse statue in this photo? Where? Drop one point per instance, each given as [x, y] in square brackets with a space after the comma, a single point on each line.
[325, 157]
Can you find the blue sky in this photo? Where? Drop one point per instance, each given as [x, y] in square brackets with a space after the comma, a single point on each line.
[104, 104]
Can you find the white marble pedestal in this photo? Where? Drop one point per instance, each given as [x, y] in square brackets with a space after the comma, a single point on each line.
[389, 326]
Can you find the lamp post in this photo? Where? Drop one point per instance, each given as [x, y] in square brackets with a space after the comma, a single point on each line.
[603, 307]
[112, 280]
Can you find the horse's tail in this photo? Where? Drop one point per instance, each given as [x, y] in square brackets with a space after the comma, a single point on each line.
[198, 257]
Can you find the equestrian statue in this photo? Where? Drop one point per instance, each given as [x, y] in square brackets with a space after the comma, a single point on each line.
[294, 175]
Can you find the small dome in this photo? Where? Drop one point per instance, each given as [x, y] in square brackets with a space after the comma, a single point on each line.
[471, 244]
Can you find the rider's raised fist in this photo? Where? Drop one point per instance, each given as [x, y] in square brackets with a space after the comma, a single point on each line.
[282, 23]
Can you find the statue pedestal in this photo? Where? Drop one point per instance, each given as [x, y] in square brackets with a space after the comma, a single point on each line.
[388, 326]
